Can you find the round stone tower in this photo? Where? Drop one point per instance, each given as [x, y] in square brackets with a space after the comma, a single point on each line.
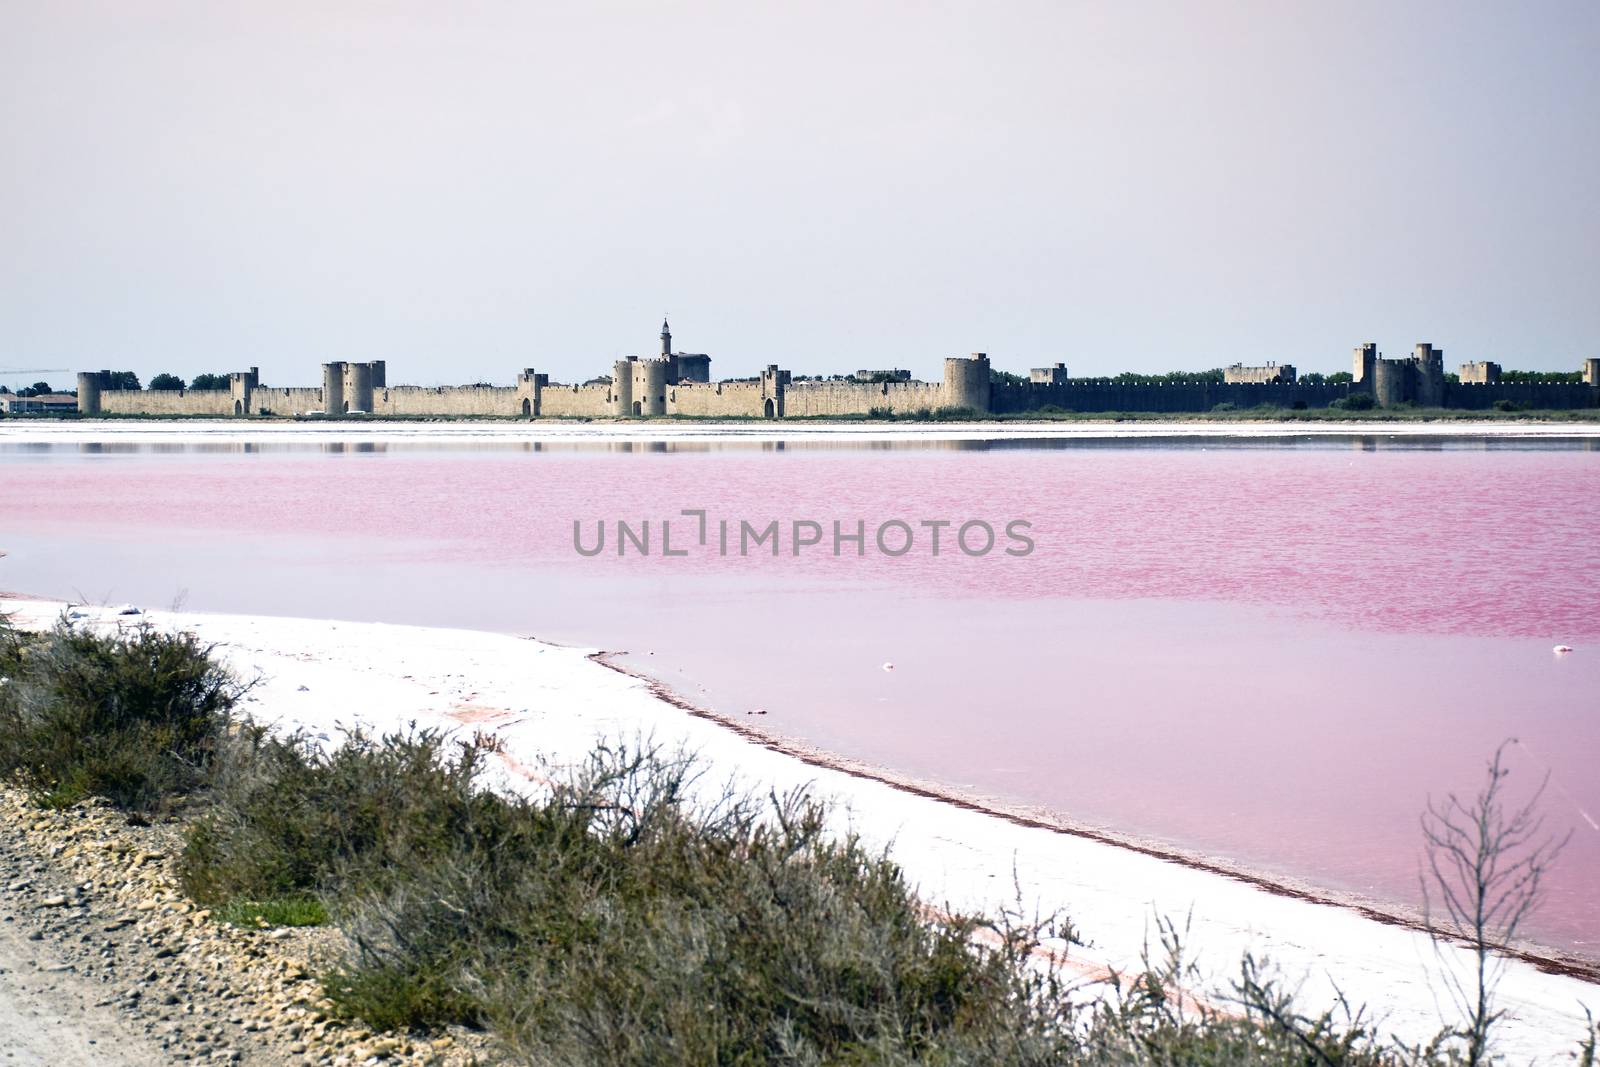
[966, 383]
[333, 388]
[1429, 391]
[1389, 381]
[89, 392]
[359, 392]
[622, 387]
[650, 387]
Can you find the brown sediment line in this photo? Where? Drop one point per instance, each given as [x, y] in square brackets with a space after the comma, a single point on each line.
[1568, 966]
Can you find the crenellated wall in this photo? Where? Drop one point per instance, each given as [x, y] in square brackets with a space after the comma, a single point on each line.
[803, 399]
[1532, 396]
[713, 400]
[1010, 398]
[298, 400]
[647, 387]
[459, 400]
[575, 401]
[166, 402]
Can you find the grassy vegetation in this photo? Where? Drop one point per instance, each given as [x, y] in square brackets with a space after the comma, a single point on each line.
[279, 911]
[137, 716]
[610, 918]
[612, 921]
[944, 414]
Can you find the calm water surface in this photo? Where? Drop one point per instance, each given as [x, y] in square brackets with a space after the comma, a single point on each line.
[1271, 654]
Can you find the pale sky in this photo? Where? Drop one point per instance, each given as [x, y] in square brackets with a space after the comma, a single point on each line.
[468, 188]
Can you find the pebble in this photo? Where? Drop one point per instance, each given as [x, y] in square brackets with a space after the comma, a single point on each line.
[108, 908]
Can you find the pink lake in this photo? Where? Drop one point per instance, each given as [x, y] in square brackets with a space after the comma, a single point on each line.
[1267, 654]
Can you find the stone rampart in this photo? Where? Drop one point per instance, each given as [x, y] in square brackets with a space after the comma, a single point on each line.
[1011, 398]
[458, 400]
[1529, 396]
[803, 399]
[721, 399]
[298, 400]
[652, 387]
[166, 402]
[576, 401]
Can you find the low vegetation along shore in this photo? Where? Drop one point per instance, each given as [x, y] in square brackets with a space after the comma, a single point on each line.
[244, 895]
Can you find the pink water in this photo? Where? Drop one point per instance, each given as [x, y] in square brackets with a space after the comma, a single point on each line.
[1267, 655]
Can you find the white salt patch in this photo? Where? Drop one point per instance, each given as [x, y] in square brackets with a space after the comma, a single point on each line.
[384, 676]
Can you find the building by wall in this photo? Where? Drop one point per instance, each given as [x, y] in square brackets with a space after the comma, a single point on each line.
[1417, 379]
[1238, 374]
[679, 384]
[44, 403]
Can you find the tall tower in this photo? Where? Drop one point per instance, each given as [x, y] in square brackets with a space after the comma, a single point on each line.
[1365, 357]
[666, 338]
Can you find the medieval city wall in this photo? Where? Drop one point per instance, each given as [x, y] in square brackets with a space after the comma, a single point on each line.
[166, 402]
[1528, 395]
[641, 387]
[403, 400]
[860, 398]
[292, 401]
[1009, 398]
[574, 401]
[719, 400]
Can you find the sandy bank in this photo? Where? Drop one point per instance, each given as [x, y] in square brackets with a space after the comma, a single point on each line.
[548, 703]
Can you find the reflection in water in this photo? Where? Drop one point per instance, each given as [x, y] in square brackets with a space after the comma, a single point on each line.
[1269, 651]
[1367, 442]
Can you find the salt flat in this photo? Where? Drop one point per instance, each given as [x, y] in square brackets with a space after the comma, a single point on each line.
[222, 431]
[548, 703]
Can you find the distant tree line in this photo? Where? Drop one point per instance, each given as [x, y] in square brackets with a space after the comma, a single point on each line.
[36, 389]
[172, 381]
[128, 380]
[1177, 377]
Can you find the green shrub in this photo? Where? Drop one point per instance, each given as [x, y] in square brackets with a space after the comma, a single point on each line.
[614, 923]
[1354, 402]
[612, 920]
[136, 716]
[12, 642]
[292, 820]
[1506, 405]
[1226, 405]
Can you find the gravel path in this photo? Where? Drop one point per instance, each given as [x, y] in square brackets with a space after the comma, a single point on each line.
[103, 961]
[48, 1014]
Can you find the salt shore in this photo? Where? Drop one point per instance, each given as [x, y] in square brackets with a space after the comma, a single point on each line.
[227, 431]
[548, 704]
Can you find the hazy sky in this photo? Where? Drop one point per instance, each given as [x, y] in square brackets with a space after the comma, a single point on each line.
[467, 188]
